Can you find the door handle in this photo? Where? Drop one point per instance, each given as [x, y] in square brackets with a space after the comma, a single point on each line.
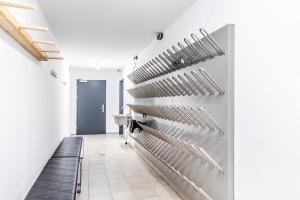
[102, 108]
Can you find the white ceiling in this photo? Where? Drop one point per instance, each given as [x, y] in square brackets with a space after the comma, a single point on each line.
[113, 30]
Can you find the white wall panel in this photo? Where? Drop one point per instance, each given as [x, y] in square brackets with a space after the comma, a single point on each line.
[34, 109]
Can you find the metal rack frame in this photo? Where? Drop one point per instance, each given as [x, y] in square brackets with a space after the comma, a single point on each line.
[184, 99]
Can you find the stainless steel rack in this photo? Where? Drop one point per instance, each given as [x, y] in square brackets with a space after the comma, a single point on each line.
[190, 115]
[184, 101]
[197, 82]
[148, 142]
[189, 54]
[185, 146]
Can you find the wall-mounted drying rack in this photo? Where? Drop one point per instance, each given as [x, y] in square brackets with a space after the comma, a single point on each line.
[190, 115]
[19, 32]
[198, 51]
[187, 142]
[144, 142]
[185, 146]
[186, 84]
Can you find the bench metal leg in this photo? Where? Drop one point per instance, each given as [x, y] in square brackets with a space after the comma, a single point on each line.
[82, 149]
[80, 176]
[80, 170]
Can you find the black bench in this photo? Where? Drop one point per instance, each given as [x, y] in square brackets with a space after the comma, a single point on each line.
[59, 178]
[69, 147]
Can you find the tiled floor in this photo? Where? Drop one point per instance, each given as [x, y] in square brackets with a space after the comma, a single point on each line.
[113, 170]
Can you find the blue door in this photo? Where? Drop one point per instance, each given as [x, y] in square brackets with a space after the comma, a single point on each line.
[91, 107]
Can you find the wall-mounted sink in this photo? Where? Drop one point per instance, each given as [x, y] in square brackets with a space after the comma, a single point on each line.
[122, 119]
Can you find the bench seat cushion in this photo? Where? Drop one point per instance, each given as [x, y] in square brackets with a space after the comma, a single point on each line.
[69, 147]
[57, 181]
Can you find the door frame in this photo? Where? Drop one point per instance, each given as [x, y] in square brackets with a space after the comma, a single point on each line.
[121, 99]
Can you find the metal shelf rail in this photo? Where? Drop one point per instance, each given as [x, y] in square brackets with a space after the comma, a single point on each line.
[187, 84]
[145, 142]
[188, 148]
[171, 60]
[190, 115]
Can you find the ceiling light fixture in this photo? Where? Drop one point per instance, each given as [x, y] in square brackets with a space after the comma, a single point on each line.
[99, 63]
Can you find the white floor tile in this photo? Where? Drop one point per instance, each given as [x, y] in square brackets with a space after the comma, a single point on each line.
[114, 171]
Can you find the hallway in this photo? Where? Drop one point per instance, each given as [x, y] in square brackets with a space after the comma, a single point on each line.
[195, 83]
[113, 170]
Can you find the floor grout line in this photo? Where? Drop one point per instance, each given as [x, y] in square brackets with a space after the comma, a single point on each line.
[120, 162]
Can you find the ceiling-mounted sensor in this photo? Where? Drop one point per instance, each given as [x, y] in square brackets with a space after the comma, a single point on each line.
[160, 36]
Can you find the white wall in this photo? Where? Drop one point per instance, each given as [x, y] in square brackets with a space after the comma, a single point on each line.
[267, 85]
[112, 94]
[34, 110]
